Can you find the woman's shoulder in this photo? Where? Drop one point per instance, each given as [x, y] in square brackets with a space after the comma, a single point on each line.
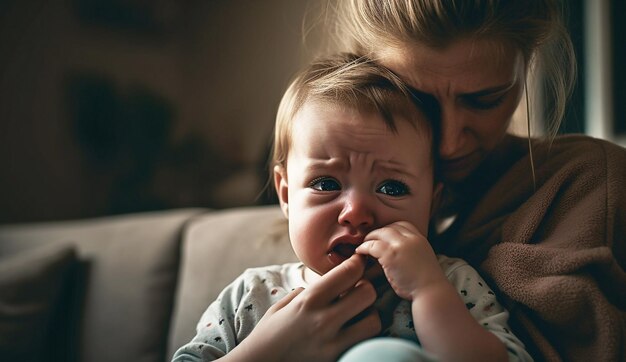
[579, 153]
[581, 146]
[563, 162]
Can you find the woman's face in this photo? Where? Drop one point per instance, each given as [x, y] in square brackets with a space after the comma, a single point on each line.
[477, 90]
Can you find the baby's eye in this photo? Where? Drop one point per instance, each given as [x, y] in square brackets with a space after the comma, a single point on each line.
[325, 184]
[393, 188]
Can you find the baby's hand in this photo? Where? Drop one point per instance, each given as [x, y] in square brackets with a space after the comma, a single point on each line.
[406, 257]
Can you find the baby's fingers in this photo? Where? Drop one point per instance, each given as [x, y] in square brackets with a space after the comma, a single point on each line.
[373, 247]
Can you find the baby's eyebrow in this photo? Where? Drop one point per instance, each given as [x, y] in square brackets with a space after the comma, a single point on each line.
[324, 164]
[394, 168]
[387, 167]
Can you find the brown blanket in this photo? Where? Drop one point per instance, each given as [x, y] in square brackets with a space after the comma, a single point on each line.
[556, 254]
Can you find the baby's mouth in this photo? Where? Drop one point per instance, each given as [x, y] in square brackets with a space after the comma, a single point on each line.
[341, 252]
[344, 250]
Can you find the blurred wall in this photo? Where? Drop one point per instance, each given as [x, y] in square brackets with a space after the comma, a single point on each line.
[120, 106]
[116, 106]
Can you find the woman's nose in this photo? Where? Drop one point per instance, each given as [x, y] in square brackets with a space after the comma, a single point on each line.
[453, 133]
[357, 211]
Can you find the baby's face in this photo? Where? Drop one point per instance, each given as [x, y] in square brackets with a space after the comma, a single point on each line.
[348, 174]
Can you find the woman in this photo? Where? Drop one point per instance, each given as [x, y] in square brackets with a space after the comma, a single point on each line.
[543, 220]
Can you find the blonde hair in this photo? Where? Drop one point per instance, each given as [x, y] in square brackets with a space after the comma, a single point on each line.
[534, 27]
[347, 80]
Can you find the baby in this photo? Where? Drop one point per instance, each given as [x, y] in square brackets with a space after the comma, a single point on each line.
[353, 170]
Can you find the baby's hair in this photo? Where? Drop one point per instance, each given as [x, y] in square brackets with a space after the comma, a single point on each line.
[352, 81]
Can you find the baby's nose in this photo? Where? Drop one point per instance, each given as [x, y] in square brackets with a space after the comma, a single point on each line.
[357, 212]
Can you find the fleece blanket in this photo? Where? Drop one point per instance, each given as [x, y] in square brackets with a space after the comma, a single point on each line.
[555, 248]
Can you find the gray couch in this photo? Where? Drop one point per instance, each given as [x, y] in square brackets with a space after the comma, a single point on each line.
[125, 288]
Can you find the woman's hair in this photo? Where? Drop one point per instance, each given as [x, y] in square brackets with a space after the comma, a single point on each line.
[351, 81]
[534, 27]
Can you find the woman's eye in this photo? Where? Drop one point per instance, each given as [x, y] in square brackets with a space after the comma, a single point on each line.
[393, 188]
[325, 184]
[484, 104]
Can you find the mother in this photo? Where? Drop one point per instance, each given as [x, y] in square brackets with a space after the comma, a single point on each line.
[543, 219]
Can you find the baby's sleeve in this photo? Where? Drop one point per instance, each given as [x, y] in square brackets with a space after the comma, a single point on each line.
[234, 314]
[216, 330]
[483, 305]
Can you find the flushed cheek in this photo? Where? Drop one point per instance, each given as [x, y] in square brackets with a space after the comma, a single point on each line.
[310, 236]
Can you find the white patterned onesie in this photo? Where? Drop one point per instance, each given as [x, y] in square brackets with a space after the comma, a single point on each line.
[242, 304]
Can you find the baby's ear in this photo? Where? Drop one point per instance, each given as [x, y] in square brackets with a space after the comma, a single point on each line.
[282, 188]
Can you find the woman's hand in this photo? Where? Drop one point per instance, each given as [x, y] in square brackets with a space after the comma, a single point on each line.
[406, 257]
[317, 323]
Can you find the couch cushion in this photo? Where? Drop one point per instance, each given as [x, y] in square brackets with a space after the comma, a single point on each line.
[31, 284]
[217, 247]
[129, 265]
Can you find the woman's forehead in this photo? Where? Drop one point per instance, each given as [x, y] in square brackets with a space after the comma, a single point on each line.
[466, 65]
